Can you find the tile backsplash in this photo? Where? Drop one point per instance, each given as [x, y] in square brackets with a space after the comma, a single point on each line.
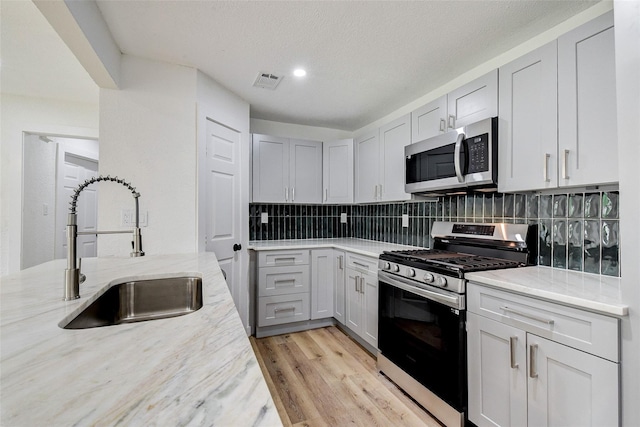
[577, 231]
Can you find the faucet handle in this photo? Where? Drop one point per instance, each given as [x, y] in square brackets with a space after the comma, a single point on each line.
[81, 276]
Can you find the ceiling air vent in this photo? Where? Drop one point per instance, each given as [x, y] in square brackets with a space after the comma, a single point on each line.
[267, 81]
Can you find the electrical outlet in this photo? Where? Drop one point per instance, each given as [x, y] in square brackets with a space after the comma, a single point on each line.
[128, 218]
[343, 218]
[264, 218]
[405, 220]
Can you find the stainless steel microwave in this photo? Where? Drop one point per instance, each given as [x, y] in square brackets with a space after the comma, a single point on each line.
[463, 159]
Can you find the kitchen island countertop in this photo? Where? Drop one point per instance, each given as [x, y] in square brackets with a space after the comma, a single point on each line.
[196, 369]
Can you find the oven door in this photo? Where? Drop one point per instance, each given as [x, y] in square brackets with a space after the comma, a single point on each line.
[423, 333]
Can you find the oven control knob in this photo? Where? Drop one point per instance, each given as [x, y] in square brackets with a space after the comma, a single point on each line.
[396, 268]
[428, 277]
[386, 266]
[411, 272]
[442, 282]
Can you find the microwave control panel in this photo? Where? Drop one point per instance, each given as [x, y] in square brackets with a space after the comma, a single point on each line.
[478, 149]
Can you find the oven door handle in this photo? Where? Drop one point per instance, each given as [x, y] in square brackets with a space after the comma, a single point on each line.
[456, 157]
[455, 301]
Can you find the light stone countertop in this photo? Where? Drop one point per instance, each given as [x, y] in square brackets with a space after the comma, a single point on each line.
[198, 369]
[600, 294]
[370, 248]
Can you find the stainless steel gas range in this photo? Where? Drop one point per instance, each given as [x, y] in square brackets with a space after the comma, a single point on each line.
[422, 309]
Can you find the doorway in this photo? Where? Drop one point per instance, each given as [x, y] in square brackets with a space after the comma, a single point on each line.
[53, 166]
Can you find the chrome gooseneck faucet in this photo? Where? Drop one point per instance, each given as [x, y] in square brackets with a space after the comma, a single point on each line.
[72, 275]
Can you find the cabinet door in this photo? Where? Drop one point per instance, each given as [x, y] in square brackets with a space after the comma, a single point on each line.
[393, 138]
[322, 283]
[528, 122]
[337, 176]
[587, 125]
[305, 165]
[477, 100]
[270, 169]
[369, 288]
[568, 387]
[429, 120]
[367, 167]
[353, 309]
[497, 365]
[339, 280]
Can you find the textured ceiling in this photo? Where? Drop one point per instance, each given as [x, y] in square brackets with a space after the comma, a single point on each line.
[364, 59]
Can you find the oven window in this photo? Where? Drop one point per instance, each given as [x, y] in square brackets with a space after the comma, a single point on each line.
[432, 164]
[426, 339]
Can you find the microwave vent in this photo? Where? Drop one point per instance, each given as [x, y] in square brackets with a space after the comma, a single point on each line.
[267, 81]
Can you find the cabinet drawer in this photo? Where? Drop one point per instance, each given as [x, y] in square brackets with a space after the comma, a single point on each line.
[275, 258]
[283, 280]
[591, 332]
[362, 263]
[279, 309]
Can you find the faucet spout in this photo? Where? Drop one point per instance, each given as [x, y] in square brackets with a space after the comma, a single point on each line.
[72, 275]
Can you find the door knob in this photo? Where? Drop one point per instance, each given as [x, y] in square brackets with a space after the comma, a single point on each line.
[237, 247]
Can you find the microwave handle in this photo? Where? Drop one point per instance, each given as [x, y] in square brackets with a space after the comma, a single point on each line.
[456, 157]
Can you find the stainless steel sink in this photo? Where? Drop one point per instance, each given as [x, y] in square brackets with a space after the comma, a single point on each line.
[136, 301]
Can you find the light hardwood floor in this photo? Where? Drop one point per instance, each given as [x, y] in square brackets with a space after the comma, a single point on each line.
[323, 378]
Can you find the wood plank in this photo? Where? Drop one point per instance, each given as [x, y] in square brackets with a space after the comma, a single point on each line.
[306, 343]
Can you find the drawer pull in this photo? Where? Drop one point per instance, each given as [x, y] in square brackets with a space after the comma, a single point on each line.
[284, 281]
[278, 310]
[512, 351]
[359, 264]
[340, 262]
[291, 258]
[527, 315]
[533, 353]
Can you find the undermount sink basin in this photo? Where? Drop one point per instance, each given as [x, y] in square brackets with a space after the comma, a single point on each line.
[136, 301]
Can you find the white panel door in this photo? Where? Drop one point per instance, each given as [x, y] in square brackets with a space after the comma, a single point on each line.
[322, 283]
[568, 387]
[367, 154]
[337, 175]
[339, 280]
[305, 171]
[223, 228]
[528, 122]
[72, 171]
[475, 101]
[497, 365]
[270, 169]
[353, 310]
[393, 138]
[587, 126]
[429, 120]
[370, 308]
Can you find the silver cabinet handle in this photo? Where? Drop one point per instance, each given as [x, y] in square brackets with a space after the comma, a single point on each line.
[456, 157]
[341, 262]
[545, 167]
[452, 121]
[443, 125]
[512, 351]
[375, 192]
[565, 166]
[380, 193]
[293, 194]
[286, 194]
[362, 285]
[359, 264]
[277, 310]
[326, 194]
[527, 315]
[533, 353]
[356, 280]
[284, 281]
[289, 258]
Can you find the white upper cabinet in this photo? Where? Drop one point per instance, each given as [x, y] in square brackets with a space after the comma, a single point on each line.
[305, 176]
[270, 168]
[286, 170]
[429, 120]
[475, 101]
[367, 167]
[337, 175]
[527, 125]
[393, 138]
[379, 155]
[587, 127]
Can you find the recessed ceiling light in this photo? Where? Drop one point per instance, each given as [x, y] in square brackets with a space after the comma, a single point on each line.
[299, 72]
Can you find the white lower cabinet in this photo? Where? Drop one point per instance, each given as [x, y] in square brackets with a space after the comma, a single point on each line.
[517, 377]
[361, 314]
[339, 280]
[279, 309]
[322, 277]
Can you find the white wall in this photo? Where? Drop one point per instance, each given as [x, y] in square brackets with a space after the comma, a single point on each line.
[148, 137]
[34, 115]
[627, 34]
[289, 130]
